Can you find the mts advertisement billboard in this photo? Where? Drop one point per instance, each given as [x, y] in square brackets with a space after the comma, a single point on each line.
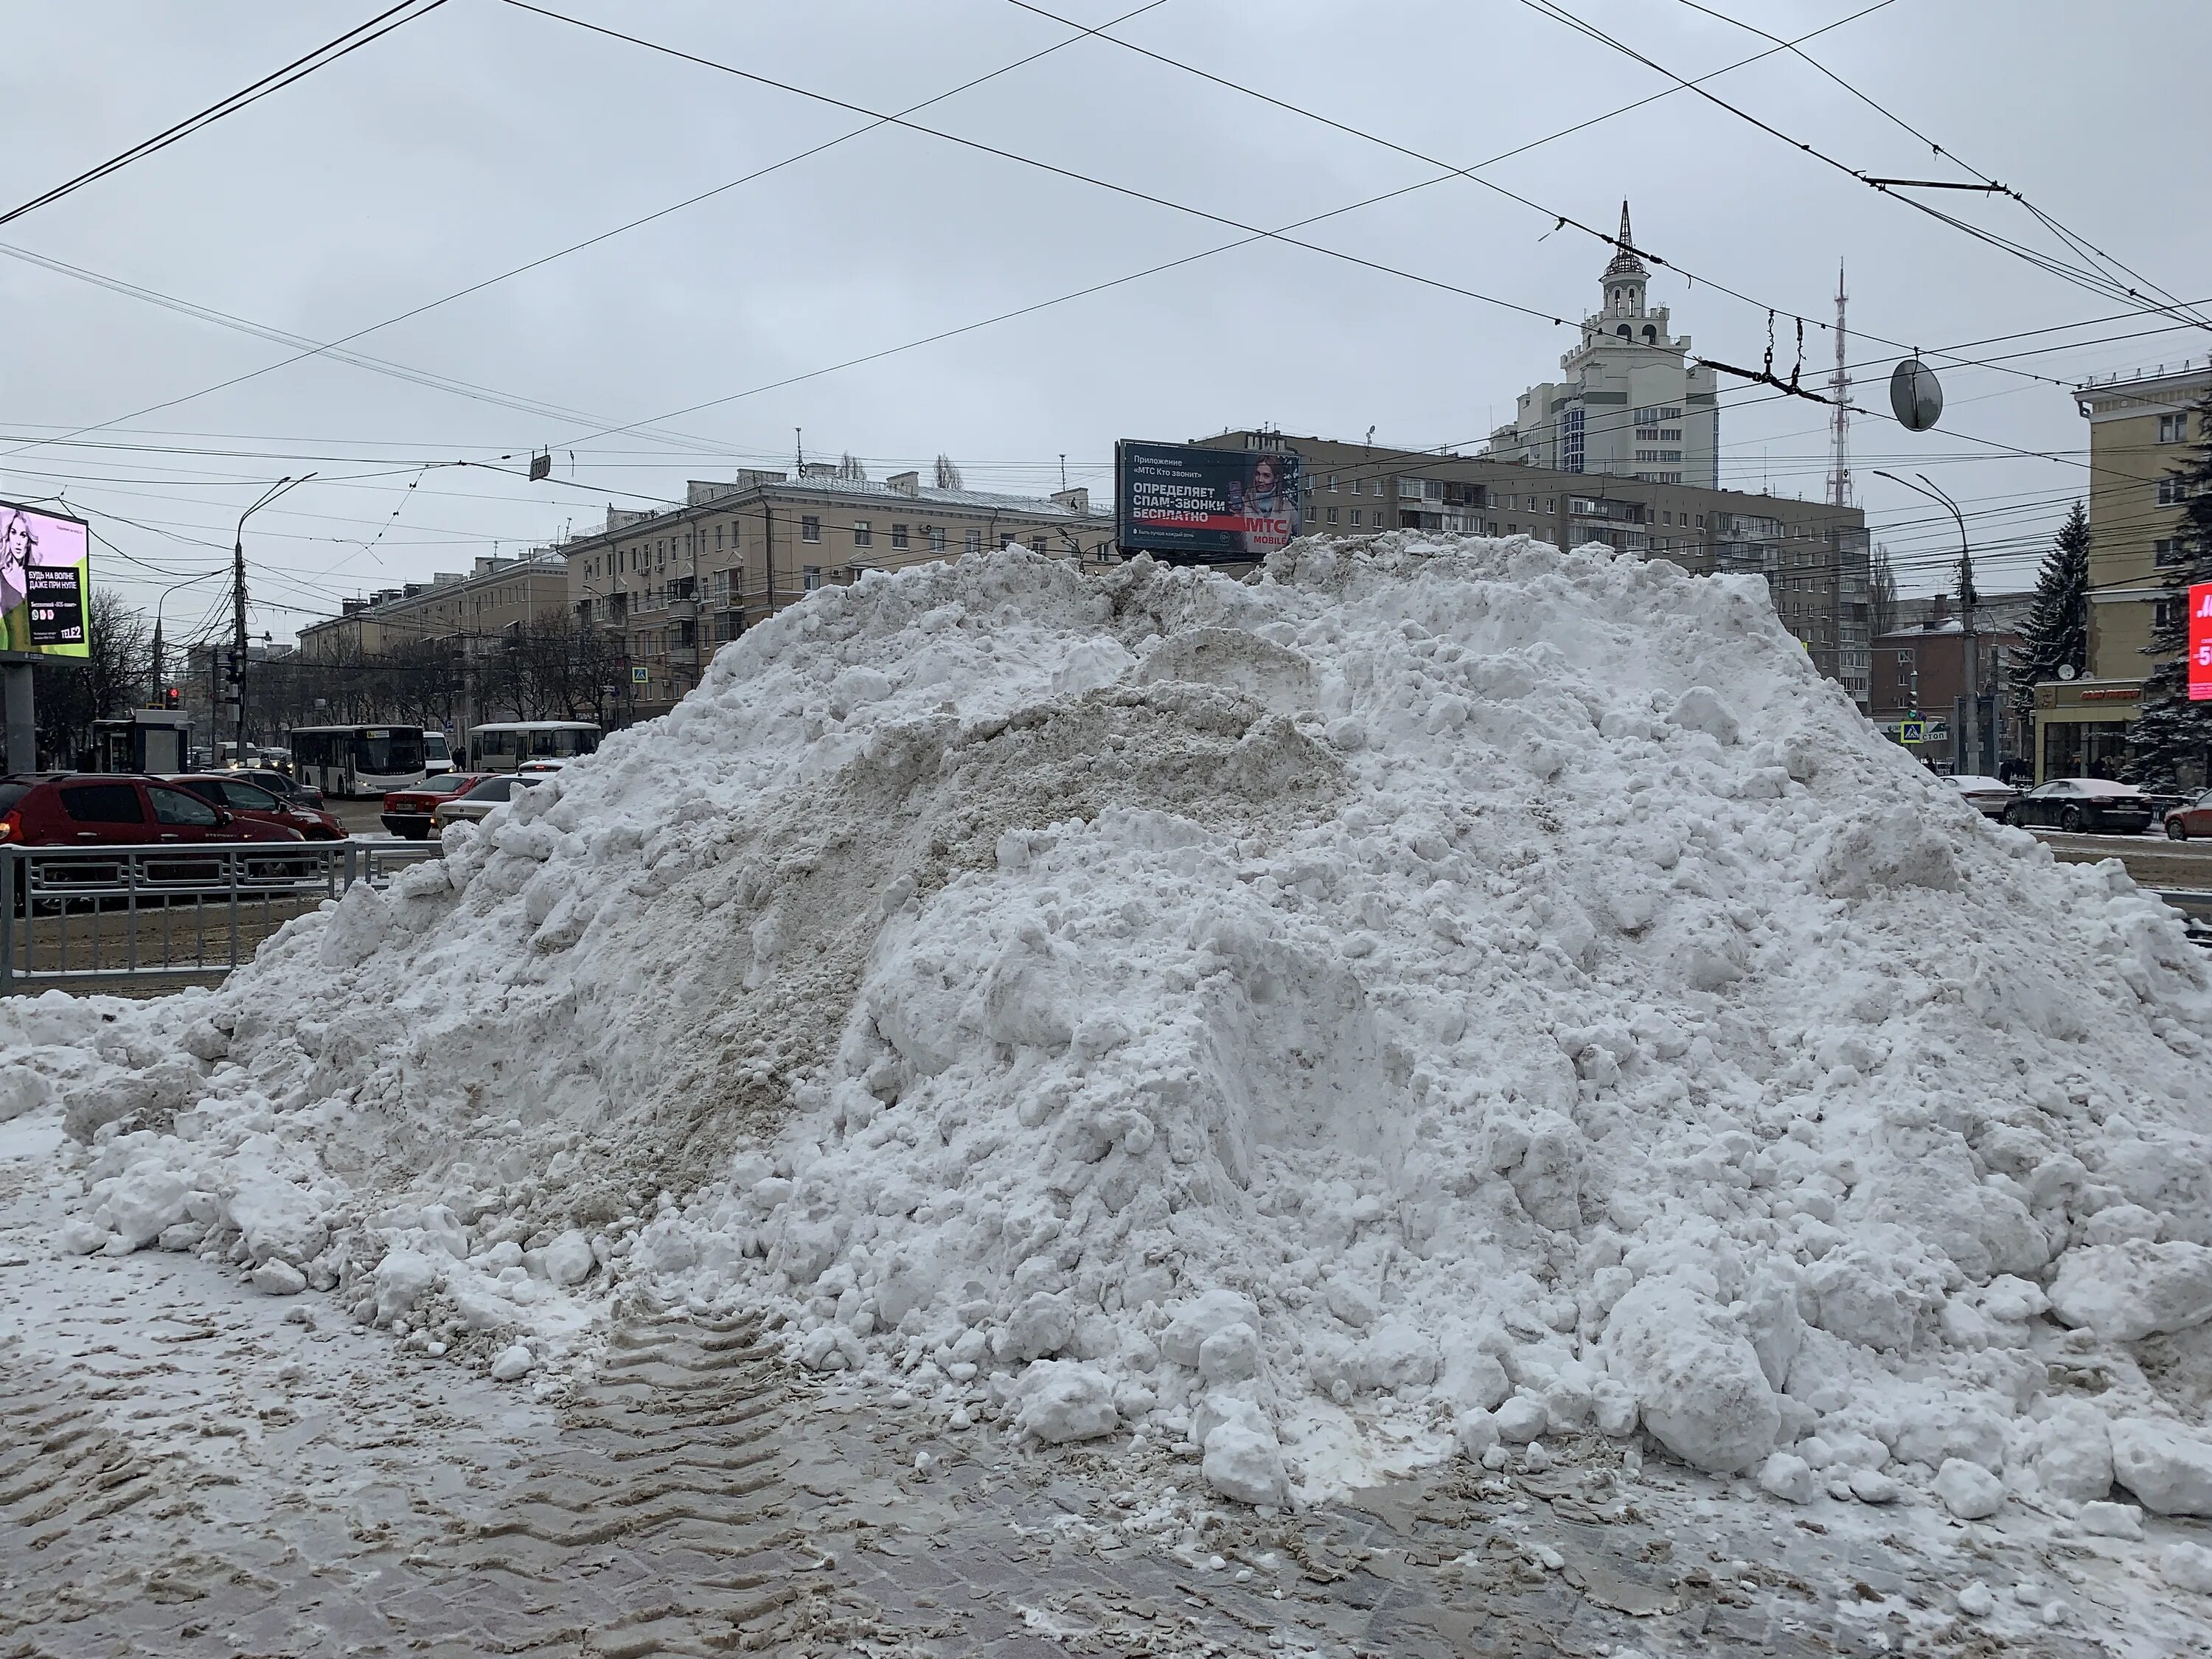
[1193, 506]
[45, 582]
[2200, 642]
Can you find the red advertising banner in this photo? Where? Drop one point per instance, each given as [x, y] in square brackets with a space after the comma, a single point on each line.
[2200, 642]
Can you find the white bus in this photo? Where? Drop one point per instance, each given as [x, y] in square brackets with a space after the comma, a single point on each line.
[504, 746]
[358, 759]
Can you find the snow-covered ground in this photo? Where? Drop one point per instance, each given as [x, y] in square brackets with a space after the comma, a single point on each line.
[1446, 1005]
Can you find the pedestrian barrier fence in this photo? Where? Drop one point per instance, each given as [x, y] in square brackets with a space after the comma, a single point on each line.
[92, 917]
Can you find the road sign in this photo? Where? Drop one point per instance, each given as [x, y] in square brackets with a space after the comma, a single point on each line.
[1912, 731]
[637, 676]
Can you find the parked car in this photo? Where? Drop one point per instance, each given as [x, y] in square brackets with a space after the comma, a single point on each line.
[473, 805]
[277, 783]
[2190, 818]
[1988, 796]
[235, 791]
[541, 767]
[2078, 806]
[91, 808]
[407, 811]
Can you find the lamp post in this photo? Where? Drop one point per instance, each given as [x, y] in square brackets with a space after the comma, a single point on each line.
[159, 694]
[1970, 639]
[238, 601]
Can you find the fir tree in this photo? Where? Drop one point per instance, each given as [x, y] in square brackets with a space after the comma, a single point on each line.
[2171, 743]
[948, 476]
[2057, 633]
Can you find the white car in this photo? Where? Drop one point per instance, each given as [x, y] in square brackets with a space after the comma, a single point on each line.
[1988, 796]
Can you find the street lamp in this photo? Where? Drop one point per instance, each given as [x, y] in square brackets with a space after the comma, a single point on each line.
[1967, 601]
[237, 599]
[187, 582]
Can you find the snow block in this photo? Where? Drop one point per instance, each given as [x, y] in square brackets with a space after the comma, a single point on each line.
[2129, 1291]
[2168, 1468]
[1704, 1394]
[1063, 1401]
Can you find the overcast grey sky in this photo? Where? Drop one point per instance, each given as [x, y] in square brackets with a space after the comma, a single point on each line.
[482, 137]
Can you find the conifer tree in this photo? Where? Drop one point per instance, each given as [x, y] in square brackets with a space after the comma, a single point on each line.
[2170, 741]
[2057, 633]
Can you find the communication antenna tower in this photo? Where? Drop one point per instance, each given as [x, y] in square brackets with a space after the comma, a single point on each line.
[1839, 393]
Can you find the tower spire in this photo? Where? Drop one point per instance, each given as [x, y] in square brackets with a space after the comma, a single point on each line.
[1625, 262]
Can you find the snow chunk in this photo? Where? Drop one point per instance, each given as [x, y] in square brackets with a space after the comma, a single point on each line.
[2167, 1467]
[1242, 1458]
[512, 1362]
[2129, 1291]
[1200, 1318]
[1699, 1380]
[1063, 1401]
[1969, 1491]
[277, 1277]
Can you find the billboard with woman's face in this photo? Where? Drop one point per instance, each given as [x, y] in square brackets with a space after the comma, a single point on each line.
[1189, 503]
[45, 582]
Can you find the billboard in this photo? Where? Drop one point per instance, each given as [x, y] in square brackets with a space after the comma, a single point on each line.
[1195, 506]
[45, 582]
[2200, 642]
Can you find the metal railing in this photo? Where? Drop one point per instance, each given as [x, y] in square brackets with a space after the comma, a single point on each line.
[70, 915]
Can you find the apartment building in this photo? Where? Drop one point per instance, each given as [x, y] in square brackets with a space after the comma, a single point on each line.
[497, 598]
[1812, 556]
[1631, 404]
[2139, 429]
[675, 584]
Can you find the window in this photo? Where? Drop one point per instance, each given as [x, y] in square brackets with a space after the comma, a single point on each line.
[973, 541]
[1551, 503]
[937, 539]
[1037, 545]
[1701, 521]
[862, 536]
[1331, 484]
[1355, 516]
[1432, 489]
[2161, 613]
[251, 797]
[898, 535]
[2173, 429]
[1007, 539]
[103, 803]
[2166, 550]
[1375, 487]
[810, 528]
[2172, 492]
[175, 806]
[810, 577]
[1330, 514]
[1409, 489]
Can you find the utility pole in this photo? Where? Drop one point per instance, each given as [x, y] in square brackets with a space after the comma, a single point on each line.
[237, 603]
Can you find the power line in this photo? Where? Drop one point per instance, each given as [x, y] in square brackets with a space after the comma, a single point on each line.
[333, 348]
[2095, 282]
[293, 72]
[2087, 249]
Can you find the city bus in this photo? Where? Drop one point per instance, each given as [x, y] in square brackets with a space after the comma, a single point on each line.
[358, 759]
[504, 746]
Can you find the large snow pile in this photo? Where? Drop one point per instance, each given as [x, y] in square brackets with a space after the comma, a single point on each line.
[1447, 985]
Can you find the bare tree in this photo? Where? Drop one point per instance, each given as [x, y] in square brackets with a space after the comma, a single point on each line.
[948, 476]
[72, 694]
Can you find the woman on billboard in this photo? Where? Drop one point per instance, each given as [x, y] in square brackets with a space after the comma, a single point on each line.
[1268, 506]
[16, 545]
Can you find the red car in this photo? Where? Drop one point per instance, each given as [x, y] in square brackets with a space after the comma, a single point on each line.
[86, 809]
[407, 811]
[2194, 819]
[249, 800]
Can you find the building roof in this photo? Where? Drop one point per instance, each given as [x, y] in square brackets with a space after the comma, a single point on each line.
[1043, 506]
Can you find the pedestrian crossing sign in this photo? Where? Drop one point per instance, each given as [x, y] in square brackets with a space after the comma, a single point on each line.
[1912, 731]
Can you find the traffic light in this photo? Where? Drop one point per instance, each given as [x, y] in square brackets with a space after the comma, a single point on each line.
[173, 698]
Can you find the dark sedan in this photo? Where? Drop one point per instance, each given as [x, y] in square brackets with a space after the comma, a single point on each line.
[234, 791]
[2083, 806]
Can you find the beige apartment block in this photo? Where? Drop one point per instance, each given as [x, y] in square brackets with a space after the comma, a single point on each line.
[2140, 427]
[672, 586]
[497, 600]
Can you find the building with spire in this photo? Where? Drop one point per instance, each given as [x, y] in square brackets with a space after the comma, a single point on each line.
[1632, 404]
